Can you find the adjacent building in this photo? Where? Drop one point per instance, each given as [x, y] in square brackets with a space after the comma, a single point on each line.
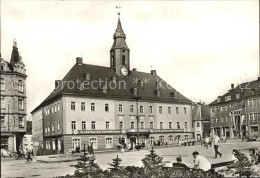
[27, 140]
[37, 131]
[201, 120]
[13, 102]
[105, 106]
[236, 114]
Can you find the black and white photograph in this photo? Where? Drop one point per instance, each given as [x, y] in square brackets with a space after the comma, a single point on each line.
[131, 89]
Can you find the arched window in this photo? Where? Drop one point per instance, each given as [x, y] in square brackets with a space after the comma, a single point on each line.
[2, 84]
[20, 86]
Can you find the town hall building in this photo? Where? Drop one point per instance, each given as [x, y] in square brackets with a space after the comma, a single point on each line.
[105, 106]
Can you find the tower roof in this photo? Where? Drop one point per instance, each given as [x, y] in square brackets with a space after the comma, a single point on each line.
[119, 37]
[15, 54]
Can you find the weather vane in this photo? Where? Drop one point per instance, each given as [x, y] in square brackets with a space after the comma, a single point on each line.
[118, 7]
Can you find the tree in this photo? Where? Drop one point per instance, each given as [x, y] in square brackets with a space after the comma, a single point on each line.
[86, 165]
[153, 166]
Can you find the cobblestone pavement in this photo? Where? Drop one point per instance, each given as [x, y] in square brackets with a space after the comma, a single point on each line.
[21, 168]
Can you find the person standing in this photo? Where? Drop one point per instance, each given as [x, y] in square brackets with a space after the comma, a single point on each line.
[91, 149]
[206, 142]
[216, 146]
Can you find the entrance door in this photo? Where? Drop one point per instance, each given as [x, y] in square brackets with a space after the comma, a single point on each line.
[132, 139]
[122, 140]
[198, 136]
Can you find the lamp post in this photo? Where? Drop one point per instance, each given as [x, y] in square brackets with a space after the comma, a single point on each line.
[137, 119]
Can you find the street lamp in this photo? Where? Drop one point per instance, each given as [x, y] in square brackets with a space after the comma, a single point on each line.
[137, 119]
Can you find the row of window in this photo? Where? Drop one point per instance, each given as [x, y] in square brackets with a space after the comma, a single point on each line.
[222, 108]
[252, 116]
[48, 129]
[252, 102]
[121, 125]
[76, 142]
[223, 119]
[20, 103]
[13, 123]
[19, 85]
[120, 108]
[52, 109]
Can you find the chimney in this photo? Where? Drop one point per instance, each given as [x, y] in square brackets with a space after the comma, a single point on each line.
[153, 72]
[232, 86]
[79, 60]
[134, 69]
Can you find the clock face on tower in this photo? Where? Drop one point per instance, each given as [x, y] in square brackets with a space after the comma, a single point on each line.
[124, 71]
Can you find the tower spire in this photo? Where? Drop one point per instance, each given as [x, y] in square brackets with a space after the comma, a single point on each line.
[15, 57]
[119, 52]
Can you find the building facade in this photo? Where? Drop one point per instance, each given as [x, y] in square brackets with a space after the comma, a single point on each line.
[201, 121]
[37, 131]
[13, 102]
[105, 106]
[237, 113]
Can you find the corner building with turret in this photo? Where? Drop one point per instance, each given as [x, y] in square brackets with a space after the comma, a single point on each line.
[105, 106]
[13, 102]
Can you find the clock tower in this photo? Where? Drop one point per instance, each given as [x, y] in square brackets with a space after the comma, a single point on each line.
[119, 53]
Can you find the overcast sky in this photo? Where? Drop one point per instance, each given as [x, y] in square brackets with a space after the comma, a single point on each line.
[198, 47]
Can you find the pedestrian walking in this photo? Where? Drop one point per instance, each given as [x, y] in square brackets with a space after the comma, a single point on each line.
[206, 142]
[216, 146]
[28, 158]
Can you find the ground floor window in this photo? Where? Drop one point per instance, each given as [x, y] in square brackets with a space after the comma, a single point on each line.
[48, 145]
[93, 141]
[254, 129]
[4, 142]
[161, 139]
[170, 138]
[53, 144]
[142, 141]
[109, 143]
[75, 143]
[186, 137]
[177, 138]
[151, 140]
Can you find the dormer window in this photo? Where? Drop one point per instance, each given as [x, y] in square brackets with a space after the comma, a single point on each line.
[114, 79]
[135, 91]
[228, 98]
[87, 76]
[158, 93]
[237, 95]
[104, 89]
[219, 100]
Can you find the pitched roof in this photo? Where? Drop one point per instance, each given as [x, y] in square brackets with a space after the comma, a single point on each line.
[245, 90]
[124, 85]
